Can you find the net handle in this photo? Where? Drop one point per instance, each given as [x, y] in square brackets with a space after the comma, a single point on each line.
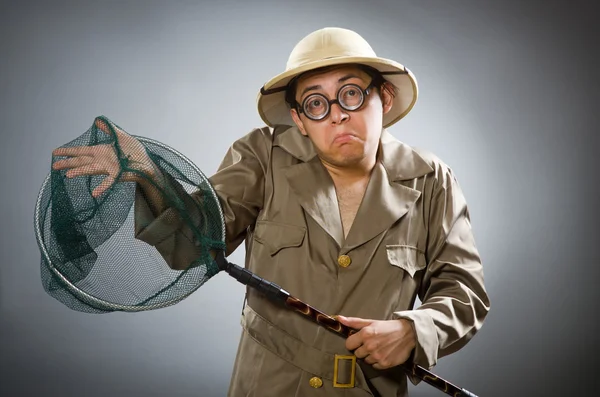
[276, 294]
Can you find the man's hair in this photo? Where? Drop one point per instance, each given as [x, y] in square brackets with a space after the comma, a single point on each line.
[378, 81]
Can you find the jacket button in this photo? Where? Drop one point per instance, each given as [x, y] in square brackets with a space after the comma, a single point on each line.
[315, 382]
[344, 261]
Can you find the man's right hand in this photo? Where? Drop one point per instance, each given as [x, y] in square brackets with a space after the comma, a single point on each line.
[103, 160]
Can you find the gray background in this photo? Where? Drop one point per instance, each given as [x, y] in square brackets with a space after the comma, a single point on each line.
[508, 98]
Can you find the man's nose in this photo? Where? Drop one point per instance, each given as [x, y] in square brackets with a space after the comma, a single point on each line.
[337, 113]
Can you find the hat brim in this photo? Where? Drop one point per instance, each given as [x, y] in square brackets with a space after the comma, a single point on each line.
[273, 109]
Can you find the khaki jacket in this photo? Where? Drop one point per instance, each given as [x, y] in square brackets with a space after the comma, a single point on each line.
[411, 237]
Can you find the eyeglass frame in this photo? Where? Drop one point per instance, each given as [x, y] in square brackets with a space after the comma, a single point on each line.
[365, 92]
[285, 88]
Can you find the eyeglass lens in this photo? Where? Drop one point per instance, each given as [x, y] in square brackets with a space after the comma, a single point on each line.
[349, 97]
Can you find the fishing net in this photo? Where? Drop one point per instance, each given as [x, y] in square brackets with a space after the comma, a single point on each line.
[91, 260]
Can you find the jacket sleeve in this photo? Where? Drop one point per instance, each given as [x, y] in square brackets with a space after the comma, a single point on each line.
[453, 295]
[239, 185]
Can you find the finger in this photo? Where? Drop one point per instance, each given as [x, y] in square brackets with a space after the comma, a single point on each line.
[106, 128]
[362, 352]
[354, 341]
[384, 364]
[373, 345]
[370, 360]
[381, 360]
[102, 126]
[389, 357]
[103, 186]
[74, 151]
[133, 177]
[354, 322]
[381, 366]
[383, 347]
[367, 334]
[90, 169]
[72, 162]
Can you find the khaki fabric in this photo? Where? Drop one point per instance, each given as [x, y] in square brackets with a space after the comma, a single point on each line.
[411, 238]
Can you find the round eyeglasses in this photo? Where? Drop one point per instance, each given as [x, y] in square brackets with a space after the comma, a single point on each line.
[350, 97]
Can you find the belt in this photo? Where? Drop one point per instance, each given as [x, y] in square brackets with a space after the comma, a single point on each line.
[340, 369]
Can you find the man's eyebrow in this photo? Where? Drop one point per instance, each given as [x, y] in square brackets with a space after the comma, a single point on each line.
[316, 87]
[347, 77]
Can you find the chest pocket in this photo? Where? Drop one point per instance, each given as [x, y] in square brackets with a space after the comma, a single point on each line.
[277, 236]
[407, 258]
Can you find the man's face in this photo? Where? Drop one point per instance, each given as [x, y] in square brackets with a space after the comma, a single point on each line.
[343, 138]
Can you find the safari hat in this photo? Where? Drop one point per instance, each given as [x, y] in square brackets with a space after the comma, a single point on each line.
[328, 47]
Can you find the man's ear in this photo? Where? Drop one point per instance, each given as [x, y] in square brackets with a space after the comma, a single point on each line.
[298, 122]
[387, 97]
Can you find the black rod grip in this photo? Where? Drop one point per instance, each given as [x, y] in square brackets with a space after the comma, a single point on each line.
[246, 277]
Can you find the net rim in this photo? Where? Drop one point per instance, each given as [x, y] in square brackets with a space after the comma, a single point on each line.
[102, 303]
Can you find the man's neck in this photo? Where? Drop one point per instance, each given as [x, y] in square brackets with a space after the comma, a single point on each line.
[344, 175]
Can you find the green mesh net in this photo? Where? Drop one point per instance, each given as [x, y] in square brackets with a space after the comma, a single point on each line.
[91, 258]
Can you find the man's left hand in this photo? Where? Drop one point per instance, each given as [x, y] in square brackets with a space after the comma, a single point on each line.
[384, 344]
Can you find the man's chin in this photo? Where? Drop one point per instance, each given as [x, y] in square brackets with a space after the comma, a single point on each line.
[348, 161]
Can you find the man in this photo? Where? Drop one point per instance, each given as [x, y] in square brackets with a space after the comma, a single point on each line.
[341, 215]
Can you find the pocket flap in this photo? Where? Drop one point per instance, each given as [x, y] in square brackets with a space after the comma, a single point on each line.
[406, 257]
[277, 236]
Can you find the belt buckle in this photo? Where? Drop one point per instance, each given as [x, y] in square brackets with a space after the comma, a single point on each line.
[337, 358]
